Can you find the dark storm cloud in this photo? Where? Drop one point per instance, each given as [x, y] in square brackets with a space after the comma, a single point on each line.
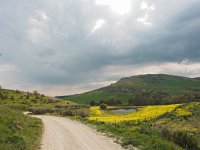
[174, 41]
[53, 43]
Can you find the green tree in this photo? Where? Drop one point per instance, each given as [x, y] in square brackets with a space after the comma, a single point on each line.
[92, 103]
[103, 106]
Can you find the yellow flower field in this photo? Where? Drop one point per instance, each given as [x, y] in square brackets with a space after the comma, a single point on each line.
[144, 113]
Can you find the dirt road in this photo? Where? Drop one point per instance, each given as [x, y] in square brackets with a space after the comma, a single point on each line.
[65, 134]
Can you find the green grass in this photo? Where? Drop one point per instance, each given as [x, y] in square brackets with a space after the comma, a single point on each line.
[17, 131]
[140, 135]
[127, 88]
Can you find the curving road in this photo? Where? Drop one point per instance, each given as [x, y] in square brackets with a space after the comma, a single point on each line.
[64, 134]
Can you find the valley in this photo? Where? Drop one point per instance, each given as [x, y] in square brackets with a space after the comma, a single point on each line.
[172, 123]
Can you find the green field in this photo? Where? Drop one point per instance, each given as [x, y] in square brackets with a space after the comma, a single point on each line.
[157, 85]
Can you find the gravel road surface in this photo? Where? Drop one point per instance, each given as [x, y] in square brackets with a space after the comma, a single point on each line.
[64, 134]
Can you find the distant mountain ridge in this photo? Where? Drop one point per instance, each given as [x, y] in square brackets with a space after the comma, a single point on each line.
[128, 87]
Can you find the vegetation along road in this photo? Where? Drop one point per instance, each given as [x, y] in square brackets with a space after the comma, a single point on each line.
[65, 134]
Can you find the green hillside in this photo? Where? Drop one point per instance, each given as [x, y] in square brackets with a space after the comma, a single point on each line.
[150, 85]
[25, 100]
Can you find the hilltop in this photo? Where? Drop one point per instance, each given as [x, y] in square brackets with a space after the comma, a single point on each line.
[149, 85]
[24, 100]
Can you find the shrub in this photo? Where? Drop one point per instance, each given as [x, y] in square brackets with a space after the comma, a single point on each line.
[186, 140]
[40, 111]
[103, 106]
[66, 113]
[83, 114]
[92, 103]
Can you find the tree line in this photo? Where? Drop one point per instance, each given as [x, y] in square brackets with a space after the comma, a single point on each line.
[152, 99]
[141, 99]
[111, 102]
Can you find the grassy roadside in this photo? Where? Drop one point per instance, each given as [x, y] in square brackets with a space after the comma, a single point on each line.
[17, 131]
[20, 132]
[139, 135]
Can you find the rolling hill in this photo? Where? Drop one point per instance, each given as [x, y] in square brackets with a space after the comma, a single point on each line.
[152, 85]
[23, 100]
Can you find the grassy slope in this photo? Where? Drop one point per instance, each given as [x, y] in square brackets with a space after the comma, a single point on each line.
[17, 131]
[24, 100]
[174, 85]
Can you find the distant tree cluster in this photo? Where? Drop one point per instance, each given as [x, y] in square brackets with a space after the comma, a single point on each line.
[158, 98]
[141, 99]
[111, 102]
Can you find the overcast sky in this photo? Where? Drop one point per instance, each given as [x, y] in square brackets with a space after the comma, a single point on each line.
[61, 47]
